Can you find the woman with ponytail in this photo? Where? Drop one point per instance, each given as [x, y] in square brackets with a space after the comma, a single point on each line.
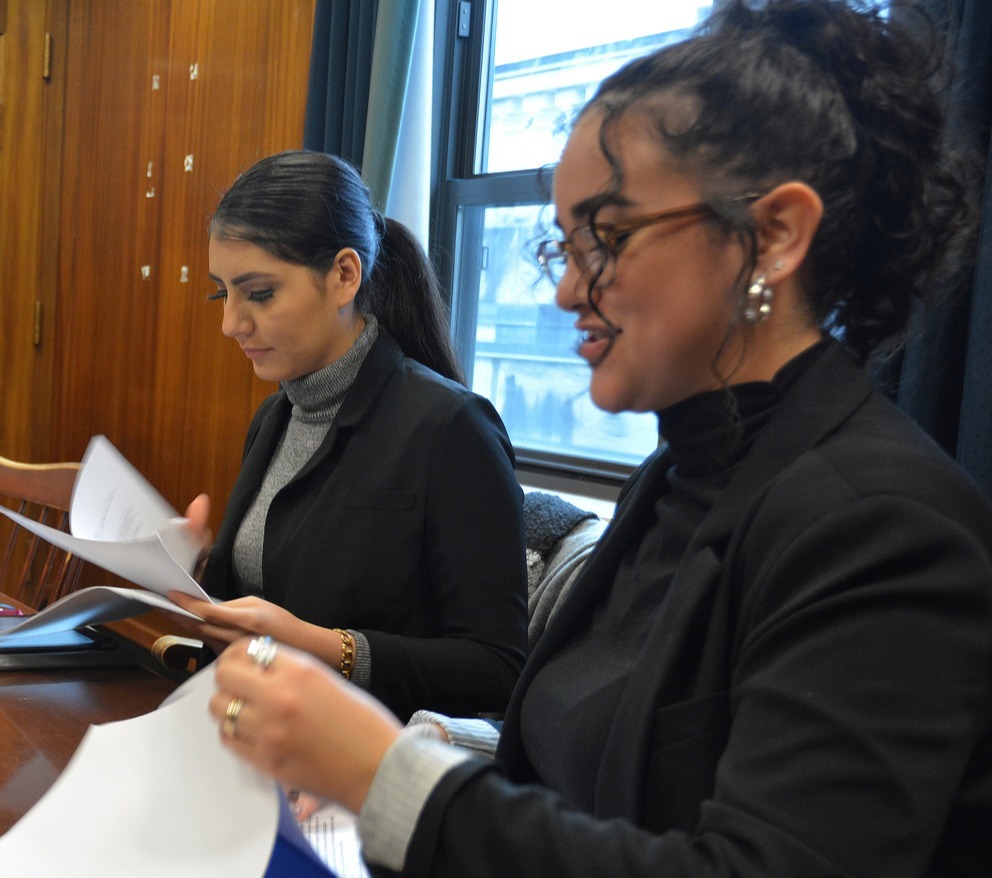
[777, 663]
[376, 522]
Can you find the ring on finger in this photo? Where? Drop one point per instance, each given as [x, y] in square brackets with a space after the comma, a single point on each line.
[262, 651]
[230, 725]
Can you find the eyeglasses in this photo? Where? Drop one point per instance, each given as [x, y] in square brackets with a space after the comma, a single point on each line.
[591, 245]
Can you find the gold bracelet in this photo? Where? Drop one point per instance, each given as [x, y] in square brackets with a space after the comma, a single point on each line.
[347, 653]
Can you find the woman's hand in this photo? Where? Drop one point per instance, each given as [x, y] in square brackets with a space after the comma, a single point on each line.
[197, 523]
[303, 805]
[224, 623]
[301, 723]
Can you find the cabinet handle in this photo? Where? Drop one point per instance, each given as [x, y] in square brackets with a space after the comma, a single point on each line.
[46, 72]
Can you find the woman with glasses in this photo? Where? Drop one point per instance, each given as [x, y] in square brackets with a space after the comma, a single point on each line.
[778, 660]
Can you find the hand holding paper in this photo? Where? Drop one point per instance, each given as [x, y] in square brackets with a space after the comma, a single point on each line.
[119, 522]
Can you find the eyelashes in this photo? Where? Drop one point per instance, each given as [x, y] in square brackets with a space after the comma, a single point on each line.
[253, 296]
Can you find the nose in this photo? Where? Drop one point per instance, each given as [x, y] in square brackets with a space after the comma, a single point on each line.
[236, 322]
[569, 292]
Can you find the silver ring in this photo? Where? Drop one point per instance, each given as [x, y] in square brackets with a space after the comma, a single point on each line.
[262, 651]
[230, 725]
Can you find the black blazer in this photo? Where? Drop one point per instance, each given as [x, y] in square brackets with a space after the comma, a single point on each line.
[815, 696]
[405, 525]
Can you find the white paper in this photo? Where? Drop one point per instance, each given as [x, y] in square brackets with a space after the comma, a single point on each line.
[112, 501]
[145, 561]
[156, 796]
[119, 522]
[97, 604]
[332, 832]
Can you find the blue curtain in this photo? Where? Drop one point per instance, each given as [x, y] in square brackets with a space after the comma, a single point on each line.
[944, 377]
[359, 70]
[340, 73]
[395, 32]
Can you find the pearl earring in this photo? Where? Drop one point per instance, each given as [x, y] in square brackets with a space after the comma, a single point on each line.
[758, 300]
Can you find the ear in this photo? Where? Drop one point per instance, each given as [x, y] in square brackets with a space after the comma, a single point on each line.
[344, 278]
[787, 219]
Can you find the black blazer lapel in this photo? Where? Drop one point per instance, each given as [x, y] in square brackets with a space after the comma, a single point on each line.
[689, 646]
[258, 456]
[380, 362]
[263, 438]
[595, 579]
[815, 405]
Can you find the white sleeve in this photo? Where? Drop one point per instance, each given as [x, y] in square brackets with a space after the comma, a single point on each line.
[407, 775]
[477, 735]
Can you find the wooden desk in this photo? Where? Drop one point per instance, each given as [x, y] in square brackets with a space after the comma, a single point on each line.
[44, 715]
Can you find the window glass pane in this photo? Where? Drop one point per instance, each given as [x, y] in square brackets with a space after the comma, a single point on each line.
[525, 359]
[548, 59]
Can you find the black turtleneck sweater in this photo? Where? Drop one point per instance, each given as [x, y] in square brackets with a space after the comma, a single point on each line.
[568, 711]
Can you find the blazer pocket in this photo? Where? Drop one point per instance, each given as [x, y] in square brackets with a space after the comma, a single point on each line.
[397, 501]
[687, 742]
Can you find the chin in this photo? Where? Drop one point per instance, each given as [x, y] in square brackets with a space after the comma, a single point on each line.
[266, 375]
[616, 399]
[607, 398]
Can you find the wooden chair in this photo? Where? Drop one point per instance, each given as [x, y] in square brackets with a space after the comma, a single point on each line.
[36, 573]
[32, 570]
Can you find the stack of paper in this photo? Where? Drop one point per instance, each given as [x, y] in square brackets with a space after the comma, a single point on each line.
[119, 522]
[160, 796]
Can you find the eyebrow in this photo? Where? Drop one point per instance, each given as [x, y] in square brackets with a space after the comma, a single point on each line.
[243, 278]
[585, 208]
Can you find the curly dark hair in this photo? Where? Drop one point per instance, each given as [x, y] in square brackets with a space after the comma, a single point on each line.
[838, 96]
[303, 207]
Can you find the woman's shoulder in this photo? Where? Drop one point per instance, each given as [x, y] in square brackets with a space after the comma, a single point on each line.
[880, 458]
[426, 410]
[837, 440]
[425, 388]
[417, 372]
[881, 449]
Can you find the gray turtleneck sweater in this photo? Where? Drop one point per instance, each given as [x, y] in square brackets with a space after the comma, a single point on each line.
[316, 399]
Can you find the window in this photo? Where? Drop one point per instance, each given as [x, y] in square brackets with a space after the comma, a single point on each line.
[516, 78]
[525, 69]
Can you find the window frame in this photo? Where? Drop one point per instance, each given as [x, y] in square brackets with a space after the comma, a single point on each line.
[463, 67]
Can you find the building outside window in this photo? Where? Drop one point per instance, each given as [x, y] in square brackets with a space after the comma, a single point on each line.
[535, 64]
[522, 70]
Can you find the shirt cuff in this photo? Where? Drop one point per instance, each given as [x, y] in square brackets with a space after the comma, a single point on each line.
[411, 769]
[361, 669]
[478, 735]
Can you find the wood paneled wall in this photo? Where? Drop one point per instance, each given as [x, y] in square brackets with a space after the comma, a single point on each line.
[165, 101]
[247, 102]
[31, 107]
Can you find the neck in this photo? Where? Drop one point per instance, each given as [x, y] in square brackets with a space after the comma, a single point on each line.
[757, 352]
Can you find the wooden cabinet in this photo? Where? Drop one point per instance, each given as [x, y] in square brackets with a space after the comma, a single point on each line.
[149, 111]
[32, 44]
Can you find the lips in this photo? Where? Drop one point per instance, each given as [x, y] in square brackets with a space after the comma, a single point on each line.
[596, 334]
[596, 342]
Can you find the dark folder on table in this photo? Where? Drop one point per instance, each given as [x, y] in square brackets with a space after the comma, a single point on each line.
[71, 648]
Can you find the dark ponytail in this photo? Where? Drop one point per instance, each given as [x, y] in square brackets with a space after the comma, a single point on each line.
[838, 96]
[405, 296]
[304, 207]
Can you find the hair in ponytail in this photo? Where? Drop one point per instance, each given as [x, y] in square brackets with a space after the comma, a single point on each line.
[405, 296]
[304, 207]
[833, 94]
